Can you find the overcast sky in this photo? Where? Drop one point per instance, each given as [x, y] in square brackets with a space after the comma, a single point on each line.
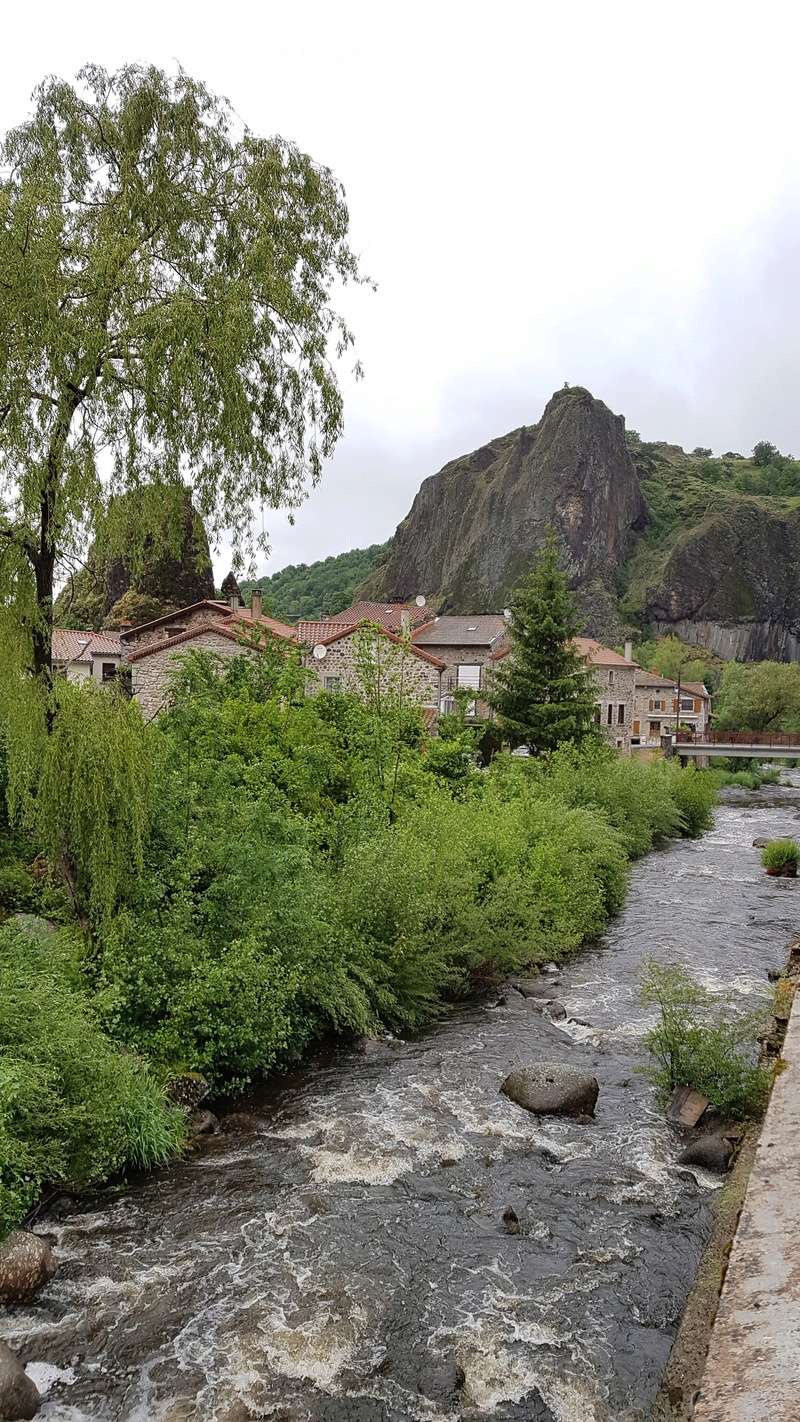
[604, 193]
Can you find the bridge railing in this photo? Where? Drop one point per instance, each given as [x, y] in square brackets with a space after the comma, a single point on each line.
[778, 739]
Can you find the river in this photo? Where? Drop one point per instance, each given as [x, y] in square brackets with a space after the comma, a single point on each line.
[348, 1263]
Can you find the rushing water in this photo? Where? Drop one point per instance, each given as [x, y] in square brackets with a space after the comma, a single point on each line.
[348, 1260]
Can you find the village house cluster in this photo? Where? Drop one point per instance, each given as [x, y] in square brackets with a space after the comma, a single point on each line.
[445, 659]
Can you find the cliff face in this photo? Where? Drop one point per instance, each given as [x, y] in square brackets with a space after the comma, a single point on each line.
[475, 527]
[732, 584]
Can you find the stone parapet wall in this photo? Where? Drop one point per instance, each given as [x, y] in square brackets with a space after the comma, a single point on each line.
[150, 676]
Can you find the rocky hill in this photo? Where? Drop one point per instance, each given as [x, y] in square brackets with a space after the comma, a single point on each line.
[655, 539]
[156, 573]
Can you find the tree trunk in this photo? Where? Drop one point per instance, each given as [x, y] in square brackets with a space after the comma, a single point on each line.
[44, 563]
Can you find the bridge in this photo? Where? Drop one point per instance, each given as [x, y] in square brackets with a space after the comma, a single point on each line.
[747, 745]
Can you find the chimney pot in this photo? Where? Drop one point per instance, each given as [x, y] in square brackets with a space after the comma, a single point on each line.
[256, 604]
[405, 622]
[629, 651]
[233, 602]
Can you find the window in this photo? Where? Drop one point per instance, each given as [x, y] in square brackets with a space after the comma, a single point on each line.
[469, 676]
[687, 703]
[108, 671]
[597, 715]
[611, 678]
[636, 728]
[621, 714]
[610, 714]
[333, 683]
[655, 728]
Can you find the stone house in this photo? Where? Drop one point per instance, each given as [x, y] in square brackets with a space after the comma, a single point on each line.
[224, 628]
[331, 652]
[86, 656]
[656, 711]
[466, 646]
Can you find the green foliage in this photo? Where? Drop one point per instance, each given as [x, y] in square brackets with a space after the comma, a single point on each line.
[765, 453]
[309, 590]
[84, 791]
[669, 657]
[781, 854]
[702, 1044]
[73, 1109]
[750, 779]
[759, 696]
[17, 888]
[541, 692]
[166, 294]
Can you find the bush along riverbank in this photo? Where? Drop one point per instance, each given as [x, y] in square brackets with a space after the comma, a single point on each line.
[259, 868]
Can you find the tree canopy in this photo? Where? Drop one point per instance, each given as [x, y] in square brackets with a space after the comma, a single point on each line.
[541, 691]
[759, 696]
[167, 283]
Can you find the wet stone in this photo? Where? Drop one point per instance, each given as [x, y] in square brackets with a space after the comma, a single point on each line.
[549, 1088]
[709, 1153]
[27, 1263]
[19, 1396]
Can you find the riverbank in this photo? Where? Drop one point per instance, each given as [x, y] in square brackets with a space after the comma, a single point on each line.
[347, 1258]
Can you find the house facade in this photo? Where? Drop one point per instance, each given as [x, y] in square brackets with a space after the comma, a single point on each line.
[465, 646]
[86, 656]
[656, 710]
[342, 656]
[227, 629]
[614, 680]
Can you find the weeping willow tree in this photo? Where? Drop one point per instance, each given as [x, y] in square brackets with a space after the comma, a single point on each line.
[84, 789]
[166, 295]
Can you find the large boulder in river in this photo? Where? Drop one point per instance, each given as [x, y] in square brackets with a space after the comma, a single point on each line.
[26, 1264]
[19, 1396]
[710, 1152]
[550, 1089]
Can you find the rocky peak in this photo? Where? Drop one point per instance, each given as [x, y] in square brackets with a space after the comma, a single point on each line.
[475, 527]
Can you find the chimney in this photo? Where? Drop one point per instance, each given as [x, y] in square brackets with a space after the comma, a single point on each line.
[233, 601]
[256, 604]
[405, 622]
[629, 651]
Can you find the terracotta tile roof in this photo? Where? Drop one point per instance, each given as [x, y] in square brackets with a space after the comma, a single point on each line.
[592, 652]
[386, 614]
[220, 609]
[696, 688]
[480, 630]
[651, 679]
[72, 646]
[231, 629]
[327, 632]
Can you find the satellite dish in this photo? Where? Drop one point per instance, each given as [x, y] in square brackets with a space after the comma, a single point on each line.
[507, 613]
[320, 652]
[419, 600]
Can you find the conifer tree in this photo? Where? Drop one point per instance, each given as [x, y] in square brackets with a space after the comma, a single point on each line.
[542, 694]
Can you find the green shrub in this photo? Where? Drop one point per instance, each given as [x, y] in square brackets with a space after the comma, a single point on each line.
[17, 888]
[701, 1044]
[781, 854]
[73, 1108]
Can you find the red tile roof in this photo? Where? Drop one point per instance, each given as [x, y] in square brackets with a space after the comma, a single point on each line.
[481, 629]
[72, 646]
[221, 609]
[386, 614]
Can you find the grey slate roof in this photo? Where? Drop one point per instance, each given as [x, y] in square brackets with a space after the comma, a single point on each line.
[482, 630]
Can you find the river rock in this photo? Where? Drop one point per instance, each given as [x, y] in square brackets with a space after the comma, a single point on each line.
[203, 1123]
[533, 987]
[549, 1088]
[709, 1152]
[556, 1011]
[26, 1263]
[760, 843]
[510, 1220]
[238, 1123]
[440, 1379]
[187, 1089]
[19, 1396]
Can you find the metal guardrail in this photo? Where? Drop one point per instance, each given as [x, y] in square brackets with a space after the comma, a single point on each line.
[776, 739]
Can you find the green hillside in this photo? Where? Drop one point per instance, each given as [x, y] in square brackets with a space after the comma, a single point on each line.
[316, 589]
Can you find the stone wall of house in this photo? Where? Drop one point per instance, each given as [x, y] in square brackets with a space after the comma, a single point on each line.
[337, 670]
[150, 676]
[453, 657]
[615, 693]
[658, 705]
[138, 638]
